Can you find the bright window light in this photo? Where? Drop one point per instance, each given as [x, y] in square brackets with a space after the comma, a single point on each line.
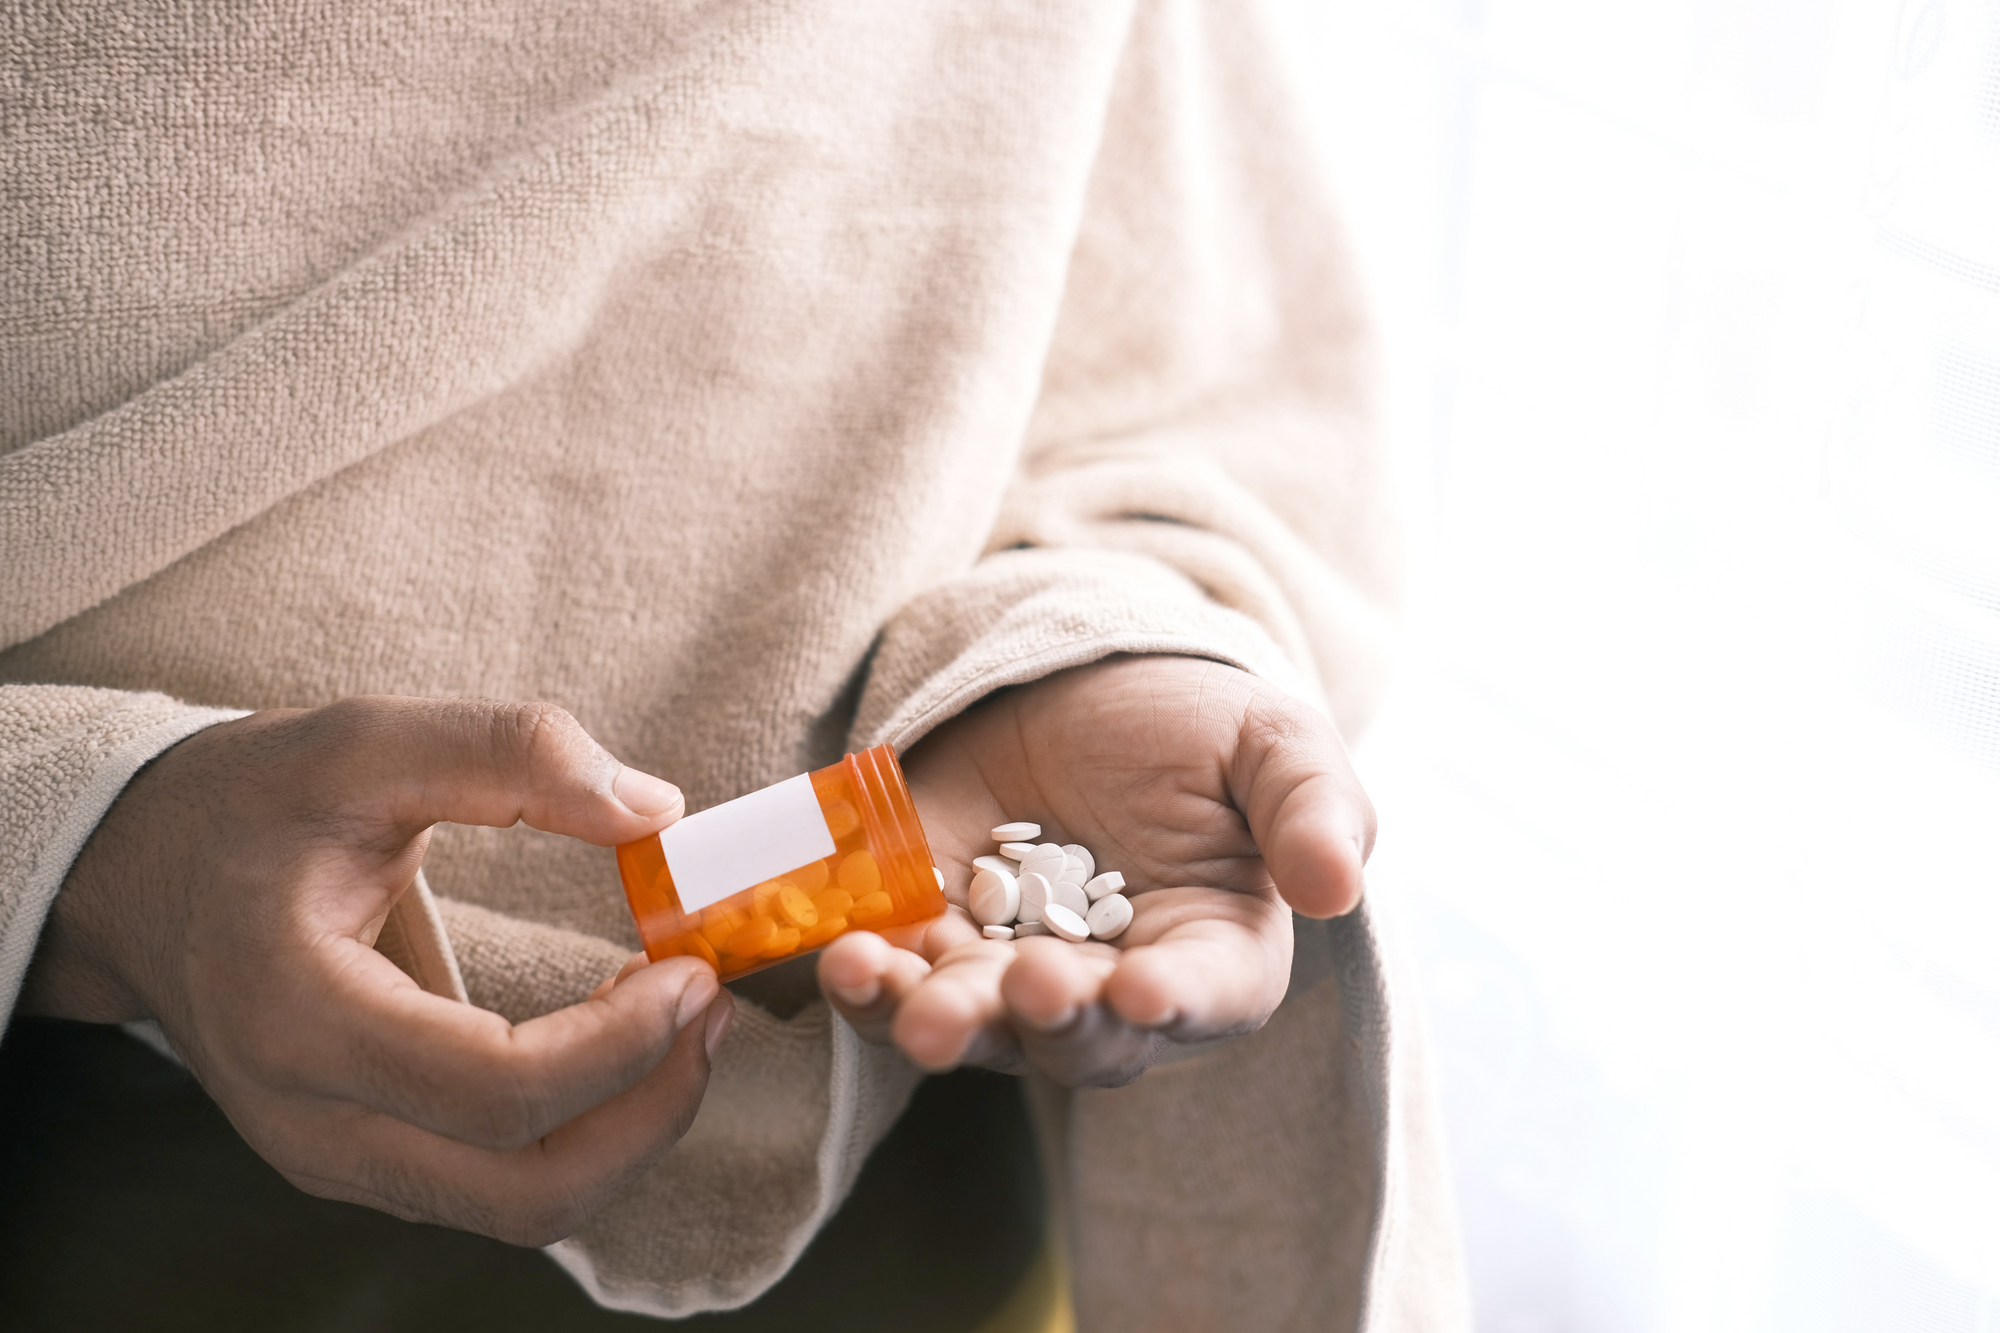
[1691, 788]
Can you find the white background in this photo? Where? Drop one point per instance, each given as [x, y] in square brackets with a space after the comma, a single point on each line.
[1691, 790]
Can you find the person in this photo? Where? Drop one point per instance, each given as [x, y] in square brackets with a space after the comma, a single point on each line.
[719, 388]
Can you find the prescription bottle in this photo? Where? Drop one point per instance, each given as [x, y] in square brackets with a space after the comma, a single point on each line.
[782, 871]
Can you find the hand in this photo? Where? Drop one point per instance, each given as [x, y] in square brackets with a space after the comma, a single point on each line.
[1223, 801]
[233, 893]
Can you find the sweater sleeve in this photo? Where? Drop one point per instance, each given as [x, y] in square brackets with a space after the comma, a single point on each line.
[66, 752]
[1198, 476]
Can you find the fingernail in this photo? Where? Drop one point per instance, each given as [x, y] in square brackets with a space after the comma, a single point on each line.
[645, 795]
[859, 997]
[720, 1016]
[1063, 1020]
[695, 998]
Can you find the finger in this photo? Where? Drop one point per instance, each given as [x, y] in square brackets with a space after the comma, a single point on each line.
[362, 1032]
[1202, 980]
[958, 1016]
[532, 1195]
[866, 979]
[631, 965]
[472, 761]
[1306, 809]
[1054, 993]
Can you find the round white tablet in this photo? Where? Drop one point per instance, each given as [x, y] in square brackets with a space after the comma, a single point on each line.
[997, 932]
[1065, 923]
[1022, 832]
[994, 863]
[1074, 871]
[995, 898]
[1034, 895]
[1026, 928]
[1111, 881]
[1047, 860]
[1070, 896]
[1018, 850]
[1081, 853]
[1109, 916]
[940, 876]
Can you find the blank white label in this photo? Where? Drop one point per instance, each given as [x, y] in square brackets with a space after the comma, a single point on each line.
[727, 848]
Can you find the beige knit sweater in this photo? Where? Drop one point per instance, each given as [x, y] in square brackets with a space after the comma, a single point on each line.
[758, 379]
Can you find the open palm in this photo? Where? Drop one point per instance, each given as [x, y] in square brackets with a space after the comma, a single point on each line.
[1225, 803]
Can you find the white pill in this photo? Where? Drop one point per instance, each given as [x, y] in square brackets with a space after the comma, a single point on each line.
[997, 932]
[1111, 881]
[1081, 853]
[1026, 928]
[1018, 850]
[1109, 916]
[995, 897]
[1034, 895]
[1065, 923]
[940, 876]
[1047, 860]
[1017, 832]
[1074, 871]
[1070, 896]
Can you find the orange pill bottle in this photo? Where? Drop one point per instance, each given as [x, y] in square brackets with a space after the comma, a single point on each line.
[783, 871]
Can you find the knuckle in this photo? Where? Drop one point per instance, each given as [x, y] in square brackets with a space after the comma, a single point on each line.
[537, 735]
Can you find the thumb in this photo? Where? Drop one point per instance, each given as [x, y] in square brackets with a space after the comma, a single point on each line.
[1312, 822]
[473, 761]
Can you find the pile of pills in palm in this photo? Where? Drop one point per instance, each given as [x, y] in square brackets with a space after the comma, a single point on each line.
[1040, 888]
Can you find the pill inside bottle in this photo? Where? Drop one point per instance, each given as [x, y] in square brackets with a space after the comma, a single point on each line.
[783, 871]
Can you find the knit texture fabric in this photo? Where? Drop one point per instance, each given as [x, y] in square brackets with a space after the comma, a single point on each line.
[757, 381]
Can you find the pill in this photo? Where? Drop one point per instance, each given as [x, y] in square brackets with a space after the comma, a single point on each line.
[871, 906]
[1074, 871]
[811, 877]
[1065, 923]
[832, 902]
[995, 897]
[1081, 853]
[1023, 929]
[995, 863]
[1017, 850]
[794, 908]
[1111, 881]
[1070, 896]
[1047, 860]
[997, 932]
[828, 927]
[783, 940]
[859, 875]
[694, 946]
[1109, 916]
[1022, 832]
[841, 818]
[718, 930]
[1034, 896]
[751, 939]
[939, 874]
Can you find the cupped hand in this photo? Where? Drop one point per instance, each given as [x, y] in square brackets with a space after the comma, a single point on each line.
[1226, 803]
[233, 892]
